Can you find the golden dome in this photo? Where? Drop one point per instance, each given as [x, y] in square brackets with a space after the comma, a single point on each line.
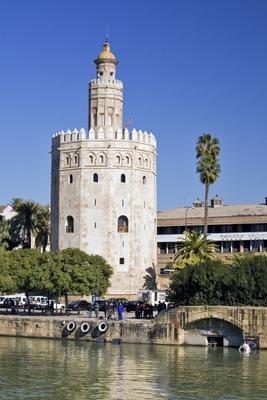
[106, 53]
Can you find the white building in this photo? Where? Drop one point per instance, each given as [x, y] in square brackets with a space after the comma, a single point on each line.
[103, 185]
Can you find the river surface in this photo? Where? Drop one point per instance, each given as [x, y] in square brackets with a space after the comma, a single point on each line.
[54, 369]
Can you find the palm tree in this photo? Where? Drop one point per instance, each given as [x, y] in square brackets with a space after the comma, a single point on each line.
[42, 227]
[25, 221]
[151, 278]
[195, 249]
[208, 167]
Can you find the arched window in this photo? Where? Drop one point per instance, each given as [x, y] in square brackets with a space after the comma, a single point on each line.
[76, 159]
[118, 159]
[146, 162]
[67, 160]
[140, 161]
[123, 224]
[70, 178]
[121, 260]
[144, 180]
[70, 224]
[127, 160]
[95, 178]
[91, 159]
[101, 159]
[123, 178]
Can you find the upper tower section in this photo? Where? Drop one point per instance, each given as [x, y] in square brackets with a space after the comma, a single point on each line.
[105, 93]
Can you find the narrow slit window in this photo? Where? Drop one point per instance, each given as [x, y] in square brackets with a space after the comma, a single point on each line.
[123, 178]
[95, 178]
[70, 224]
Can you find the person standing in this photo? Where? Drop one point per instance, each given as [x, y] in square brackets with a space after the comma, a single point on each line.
[96, 309]
[120, 311]
[90, 310]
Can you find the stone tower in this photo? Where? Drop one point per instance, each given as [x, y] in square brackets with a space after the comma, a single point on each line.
[103, 185]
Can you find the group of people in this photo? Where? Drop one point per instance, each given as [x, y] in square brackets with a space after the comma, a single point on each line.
[110, 310]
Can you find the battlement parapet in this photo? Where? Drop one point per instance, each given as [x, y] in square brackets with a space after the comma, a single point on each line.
[97, 82]
[104, 134]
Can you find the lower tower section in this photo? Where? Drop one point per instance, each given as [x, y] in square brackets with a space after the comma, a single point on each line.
[104, 200]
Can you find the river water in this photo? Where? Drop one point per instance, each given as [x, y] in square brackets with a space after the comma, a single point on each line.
[54, 369]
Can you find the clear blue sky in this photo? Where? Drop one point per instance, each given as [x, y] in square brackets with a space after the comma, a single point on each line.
[188, 67]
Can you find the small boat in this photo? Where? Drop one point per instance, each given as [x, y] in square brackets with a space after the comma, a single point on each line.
[244, 348]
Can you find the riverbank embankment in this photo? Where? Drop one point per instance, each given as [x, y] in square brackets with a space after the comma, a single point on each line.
[195, 325]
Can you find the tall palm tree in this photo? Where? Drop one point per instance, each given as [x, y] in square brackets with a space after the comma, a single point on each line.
[42, 227]
[25, 221]
[151, 278]
[208, 167]
[195, 249]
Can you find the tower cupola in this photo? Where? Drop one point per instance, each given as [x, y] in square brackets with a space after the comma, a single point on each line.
[106, 63]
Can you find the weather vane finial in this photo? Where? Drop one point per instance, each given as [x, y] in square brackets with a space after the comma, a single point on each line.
[107, 33]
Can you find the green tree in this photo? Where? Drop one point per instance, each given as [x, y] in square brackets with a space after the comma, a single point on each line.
[151, 278]
[7, 282]
[4, 233]
[31, 270]
[25, 222]
[200, 284]
[79, 273]
[208, 167]
[195, 249]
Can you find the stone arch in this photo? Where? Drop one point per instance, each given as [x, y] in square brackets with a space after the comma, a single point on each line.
[117, 159]
[91, 158]
[213, 331]
[127, 160]
[101, 158]
[198, 313]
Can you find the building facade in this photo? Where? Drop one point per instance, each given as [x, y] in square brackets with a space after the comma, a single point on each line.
[236, 229]
[103, 185]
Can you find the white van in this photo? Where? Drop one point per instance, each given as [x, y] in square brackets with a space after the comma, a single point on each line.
[38, 302]
[21, 298]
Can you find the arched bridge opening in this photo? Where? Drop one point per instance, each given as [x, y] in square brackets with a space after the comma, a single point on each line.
[213, 332]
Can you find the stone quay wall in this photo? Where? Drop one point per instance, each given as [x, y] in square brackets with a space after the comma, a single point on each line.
[168, 328]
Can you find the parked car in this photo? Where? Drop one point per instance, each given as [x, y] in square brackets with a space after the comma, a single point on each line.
[56, 306]
[78, 305]
[101, 304]
[5, 301]
[131, 305]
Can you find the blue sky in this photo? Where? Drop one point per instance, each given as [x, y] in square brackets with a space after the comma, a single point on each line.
[188, 67]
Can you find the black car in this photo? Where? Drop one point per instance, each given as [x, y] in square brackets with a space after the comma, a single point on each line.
[102, 304]
[78, 305]
[131, 305]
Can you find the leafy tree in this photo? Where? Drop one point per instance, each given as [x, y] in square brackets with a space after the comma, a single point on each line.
[208, 167]
[8, 283]
[31, 270]
[79, 273]
[213, 282]
[194, 250]
[4, 233]
[151, 278]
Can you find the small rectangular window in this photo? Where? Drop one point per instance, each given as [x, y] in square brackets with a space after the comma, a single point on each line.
[95, 202]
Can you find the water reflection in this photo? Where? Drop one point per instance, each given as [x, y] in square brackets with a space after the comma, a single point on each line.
[46, 369]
